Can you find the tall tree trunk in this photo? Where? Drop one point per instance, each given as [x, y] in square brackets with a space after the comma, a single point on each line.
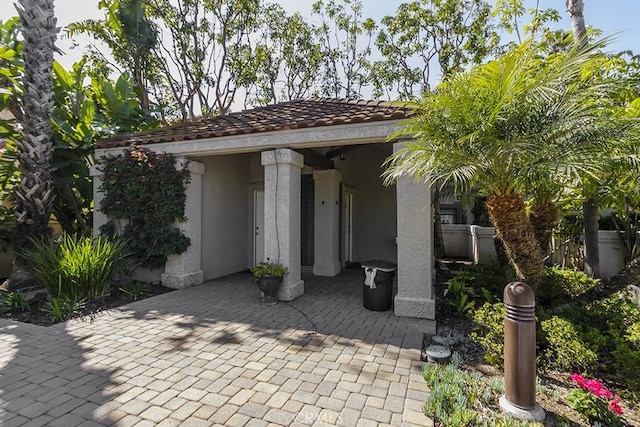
[591, 246]
[464, 206]
[575, 9]
[34, 193]
[509, 216]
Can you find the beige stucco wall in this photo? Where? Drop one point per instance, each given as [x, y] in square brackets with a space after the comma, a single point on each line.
[375, 204]
[225, 209]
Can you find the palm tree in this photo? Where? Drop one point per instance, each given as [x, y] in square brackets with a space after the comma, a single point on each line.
[33, 194]
[590, 207]
[520, 128]
[575, 9]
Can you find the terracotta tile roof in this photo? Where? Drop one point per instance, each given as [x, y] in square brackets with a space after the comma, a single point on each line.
[298, 114]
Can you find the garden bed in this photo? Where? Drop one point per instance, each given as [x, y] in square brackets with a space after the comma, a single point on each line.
[553, 388]
[116, 298]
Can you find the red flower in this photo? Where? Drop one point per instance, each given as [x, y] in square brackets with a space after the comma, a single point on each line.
[614, 405]
[579, 379]
[598, 389]
[594, 386]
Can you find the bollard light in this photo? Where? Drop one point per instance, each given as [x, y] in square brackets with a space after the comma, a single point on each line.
[520, 353]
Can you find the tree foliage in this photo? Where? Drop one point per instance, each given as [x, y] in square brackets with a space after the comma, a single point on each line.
[287, 58]
[205, 57]
[450, 34]
[199, 59]
[84, 114]
[521, 126]
[130, 36]
[87, 106]
[346, 37]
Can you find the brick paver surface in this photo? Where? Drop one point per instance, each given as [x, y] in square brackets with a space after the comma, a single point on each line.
[213, 355]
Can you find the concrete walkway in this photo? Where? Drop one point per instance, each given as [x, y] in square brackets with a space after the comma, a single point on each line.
[213, 355]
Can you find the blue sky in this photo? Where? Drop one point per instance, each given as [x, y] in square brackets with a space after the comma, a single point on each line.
[619, 17]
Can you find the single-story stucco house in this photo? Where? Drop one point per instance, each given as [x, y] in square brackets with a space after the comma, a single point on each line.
[299, 182]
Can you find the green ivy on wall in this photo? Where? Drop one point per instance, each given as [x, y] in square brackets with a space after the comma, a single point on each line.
[145, 189]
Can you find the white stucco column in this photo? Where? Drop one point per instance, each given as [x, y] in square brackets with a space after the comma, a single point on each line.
[282, 168]
[99, 219]
[185, 269]
[327, 222]
[416, 297]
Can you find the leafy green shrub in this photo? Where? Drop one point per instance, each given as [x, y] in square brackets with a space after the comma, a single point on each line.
[563, 348]
[458, 397]
[489, 333]
[135, 289]
[557, 338]
[465, 286]
[76, 268]
[633, 334]
[559, 286]
[627, 223]
[13, 301]
[145, 189]
[489, 277]
[627, 366]
[608, 328]
[459, 294]
[616, 316]
[60, 309]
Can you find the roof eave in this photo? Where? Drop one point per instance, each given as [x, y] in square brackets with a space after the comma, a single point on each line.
[324, 136]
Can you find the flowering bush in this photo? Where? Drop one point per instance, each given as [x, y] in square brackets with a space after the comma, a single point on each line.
[594, 402]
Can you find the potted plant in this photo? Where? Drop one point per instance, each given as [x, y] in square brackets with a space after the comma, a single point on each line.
[269, 277]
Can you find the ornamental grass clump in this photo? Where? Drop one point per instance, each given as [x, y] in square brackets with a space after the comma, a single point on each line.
[595, 403]
[76, 269]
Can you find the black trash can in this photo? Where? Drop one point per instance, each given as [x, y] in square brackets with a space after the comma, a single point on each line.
[377, 290]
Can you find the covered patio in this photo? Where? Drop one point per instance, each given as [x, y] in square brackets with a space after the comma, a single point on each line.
[297, 183]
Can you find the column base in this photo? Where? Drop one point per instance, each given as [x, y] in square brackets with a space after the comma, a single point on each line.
[326, 270]
[421, 308]
[532, 414]
[181, 281]
[290, 291]
[416, 330]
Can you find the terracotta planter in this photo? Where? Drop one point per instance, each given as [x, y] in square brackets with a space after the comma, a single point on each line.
[269, 285]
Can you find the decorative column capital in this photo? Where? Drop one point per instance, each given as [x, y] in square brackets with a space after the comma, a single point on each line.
[282, 156]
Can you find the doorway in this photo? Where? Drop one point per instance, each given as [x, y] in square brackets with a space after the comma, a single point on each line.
[258, 226]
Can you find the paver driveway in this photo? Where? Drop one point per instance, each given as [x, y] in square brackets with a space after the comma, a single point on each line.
[212, 355]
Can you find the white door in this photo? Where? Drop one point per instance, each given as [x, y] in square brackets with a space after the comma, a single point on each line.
[347, 227]
[258, 226]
